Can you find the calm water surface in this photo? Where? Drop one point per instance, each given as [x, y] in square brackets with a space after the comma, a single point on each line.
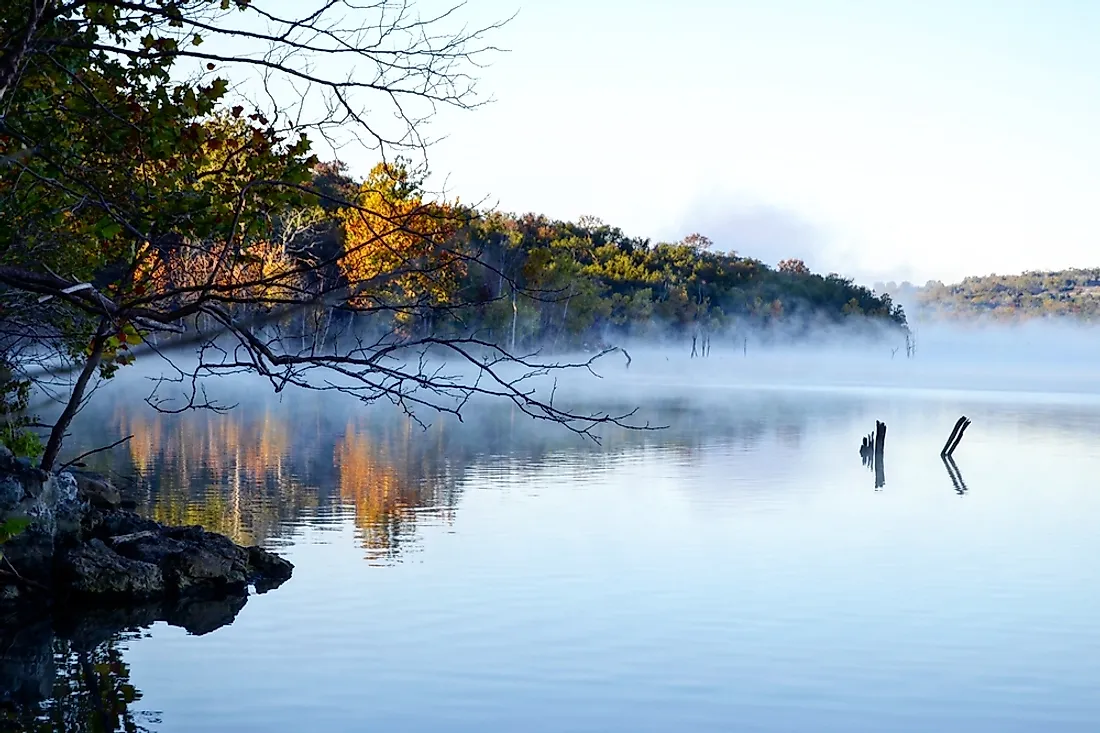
[739, 571]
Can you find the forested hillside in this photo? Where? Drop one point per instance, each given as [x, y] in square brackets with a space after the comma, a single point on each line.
[578, 282]
[1071, 293]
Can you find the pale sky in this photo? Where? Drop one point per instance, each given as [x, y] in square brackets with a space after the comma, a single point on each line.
[883, 139]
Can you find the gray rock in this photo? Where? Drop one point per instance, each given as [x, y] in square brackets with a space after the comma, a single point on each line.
[49, 502]
[11, 492]
[31, 553]
[193, 560]
[69, 508]
[204, 570]
[94, 569]
[269, 571]
[105, 525]
[67, 488]
[98, 492]
[79, 543]
[150, 546]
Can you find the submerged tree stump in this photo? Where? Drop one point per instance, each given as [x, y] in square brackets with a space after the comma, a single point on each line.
[956, 437]
[872, 451]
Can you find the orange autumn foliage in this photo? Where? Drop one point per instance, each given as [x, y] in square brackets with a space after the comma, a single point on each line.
[398, 245]
[260, 272]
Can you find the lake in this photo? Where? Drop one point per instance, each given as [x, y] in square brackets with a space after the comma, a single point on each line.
[737, 571]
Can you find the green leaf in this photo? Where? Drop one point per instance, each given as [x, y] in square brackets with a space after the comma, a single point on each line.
[13, 526]
[196, 40]
[108, 228]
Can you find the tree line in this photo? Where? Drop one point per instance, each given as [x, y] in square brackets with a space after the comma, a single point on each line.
[527, 280]
[1073, 293]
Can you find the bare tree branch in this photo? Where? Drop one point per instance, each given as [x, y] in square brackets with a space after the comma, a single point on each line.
[76, 461]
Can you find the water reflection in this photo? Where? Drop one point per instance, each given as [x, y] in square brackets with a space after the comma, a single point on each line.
[257, 472]
[873, 454]
[230, 473]
[954, 474]
[270, 465]
[90, 690]
[390, 475]
[68, 673]
[800, 600]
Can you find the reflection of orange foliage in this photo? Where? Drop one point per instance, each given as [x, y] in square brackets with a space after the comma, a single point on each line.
[224, 445]
[245, 474]
[383, 499]
[225, 460]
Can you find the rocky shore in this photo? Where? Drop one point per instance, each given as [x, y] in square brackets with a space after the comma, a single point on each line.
[71, 540]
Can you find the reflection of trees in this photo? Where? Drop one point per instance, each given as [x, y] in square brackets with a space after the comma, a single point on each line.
[69, 673]
[230, 473]
[391, 475]
[233, 473]
[258, 470]
[54, 682]
[92, 692]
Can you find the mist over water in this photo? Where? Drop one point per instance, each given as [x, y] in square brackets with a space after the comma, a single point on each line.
[739, 569]
[1025, 358]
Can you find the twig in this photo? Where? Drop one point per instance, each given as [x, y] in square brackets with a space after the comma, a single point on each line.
[13, 573]
[82, 456]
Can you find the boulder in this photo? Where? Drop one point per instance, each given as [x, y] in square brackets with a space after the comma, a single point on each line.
[94, 569]
[48, 502]
[98, 492]
[107, 524]
[201, 569]
[192, 561]
[269, 570]
[80, 543]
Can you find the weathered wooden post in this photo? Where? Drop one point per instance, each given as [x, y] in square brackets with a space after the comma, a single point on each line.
[880, 448]
[956, 436]
[872, 451]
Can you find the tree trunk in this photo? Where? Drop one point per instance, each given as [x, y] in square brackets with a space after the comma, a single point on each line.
[13, 59]
[53, 446]
[564, 317]
[515, 316]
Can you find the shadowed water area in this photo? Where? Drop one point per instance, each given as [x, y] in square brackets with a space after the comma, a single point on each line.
[738, 571]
